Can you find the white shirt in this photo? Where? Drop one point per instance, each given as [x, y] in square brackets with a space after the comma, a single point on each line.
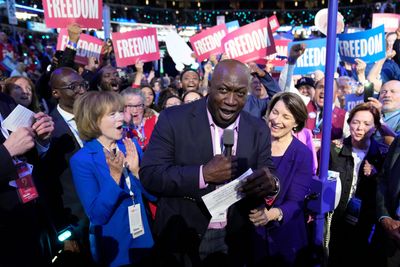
[70, 120]
[358, 156]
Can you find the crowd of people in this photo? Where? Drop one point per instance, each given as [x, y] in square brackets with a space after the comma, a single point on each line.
[121, 159]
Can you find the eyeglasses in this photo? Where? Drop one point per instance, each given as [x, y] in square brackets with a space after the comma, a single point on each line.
[76, 87]
[140, 106]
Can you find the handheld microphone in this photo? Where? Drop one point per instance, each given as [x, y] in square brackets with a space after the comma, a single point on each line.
[228, 140]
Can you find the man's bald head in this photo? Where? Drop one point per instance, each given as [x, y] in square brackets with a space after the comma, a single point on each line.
[389, 96]
[228, 92]
[64, 76]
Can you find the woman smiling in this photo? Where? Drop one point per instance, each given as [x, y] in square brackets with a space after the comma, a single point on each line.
[284, 219]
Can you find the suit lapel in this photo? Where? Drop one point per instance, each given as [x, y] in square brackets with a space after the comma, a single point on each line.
[199, 126]
[61, 127]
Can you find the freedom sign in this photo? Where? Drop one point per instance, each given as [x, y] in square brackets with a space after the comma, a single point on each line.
[352, 100]
[314, 57]
[88, 46]
[60, 13]
[250, 42]
[366, 45]
[208, 42]
[273, 23]
[133, 45]
[390, 21]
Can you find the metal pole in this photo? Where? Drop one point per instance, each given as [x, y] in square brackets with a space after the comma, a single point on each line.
[330, 67]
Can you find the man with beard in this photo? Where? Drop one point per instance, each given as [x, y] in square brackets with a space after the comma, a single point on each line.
[184, 161]
[106, 79]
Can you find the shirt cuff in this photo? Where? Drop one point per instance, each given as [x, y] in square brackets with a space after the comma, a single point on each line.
[202, 183]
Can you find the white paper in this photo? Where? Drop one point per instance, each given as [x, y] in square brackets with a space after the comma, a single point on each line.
[19, 117]
[222, 198]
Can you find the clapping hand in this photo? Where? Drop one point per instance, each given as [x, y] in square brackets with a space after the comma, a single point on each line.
[132, 158]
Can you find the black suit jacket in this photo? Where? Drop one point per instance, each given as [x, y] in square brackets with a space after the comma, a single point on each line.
[21, 225]
[64, 202]
[180, 143]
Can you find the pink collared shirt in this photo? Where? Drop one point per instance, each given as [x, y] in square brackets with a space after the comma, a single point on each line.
[217, 132]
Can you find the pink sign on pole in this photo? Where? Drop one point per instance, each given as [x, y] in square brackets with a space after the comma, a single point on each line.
[208, 42]
[133, 45]
[88, 46]
[273, 23]
[250, 42]
[60, 13]
[389, 20]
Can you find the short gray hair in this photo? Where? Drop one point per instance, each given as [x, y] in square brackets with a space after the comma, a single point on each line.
[133, 92]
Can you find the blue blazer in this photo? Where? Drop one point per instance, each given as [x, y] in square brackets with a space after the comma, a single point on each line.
[106, 204]
[294, 168]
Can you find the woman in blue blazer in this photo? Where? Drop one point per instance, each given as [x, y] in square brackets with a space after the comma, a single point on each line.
[105, 173]
[284, 218]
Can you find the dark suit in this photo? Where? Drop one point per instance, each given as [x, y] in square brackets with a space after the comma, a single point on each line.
[180, 143]
[20, 224]
[387, 198]
[65, 206]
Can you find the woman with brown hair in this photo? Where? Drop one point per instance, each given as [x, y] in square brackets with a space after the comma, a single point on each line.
[22, 90]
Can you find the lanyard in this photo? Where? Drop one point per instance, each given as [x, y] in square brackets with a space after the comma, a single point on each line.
[128, 183]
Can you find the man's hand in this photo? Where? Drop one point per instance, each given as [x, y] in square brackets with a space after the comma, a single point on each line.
[392, 228]
[213, 59]
[372, 101]
[106, 48]
[20, 141]
[255, 69]
[259, 184]
[360, 66]
[92, 64]
[43, 127]
[208, 67]
[295, 52]
[220, 169]
[74, 31]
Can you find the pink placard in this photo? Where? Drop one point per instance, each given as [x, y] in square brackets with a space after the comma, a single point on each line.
[250, 42]
[273, 23]
[88, 46]
[389, 20]
[133, 45]
[208, 42]
[60, 13]
[281, 47]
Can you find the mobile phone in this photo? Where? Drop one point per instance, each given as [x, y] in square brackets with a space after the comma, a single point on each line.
[368, 91]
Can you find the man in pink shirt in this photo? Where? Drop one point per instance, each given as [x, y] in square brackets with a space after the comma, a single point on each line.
[184, 161]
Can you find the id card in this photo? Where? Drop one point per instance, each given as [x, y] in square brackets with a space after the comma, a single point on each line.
[25, 187]
[135, 221]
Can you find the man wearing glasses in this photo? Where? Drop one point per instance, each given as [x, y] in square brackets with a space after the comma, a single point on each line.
[66, 86]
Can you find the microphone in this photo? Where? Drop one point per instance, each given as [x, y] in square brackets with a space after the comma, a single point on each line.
[228, 140]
